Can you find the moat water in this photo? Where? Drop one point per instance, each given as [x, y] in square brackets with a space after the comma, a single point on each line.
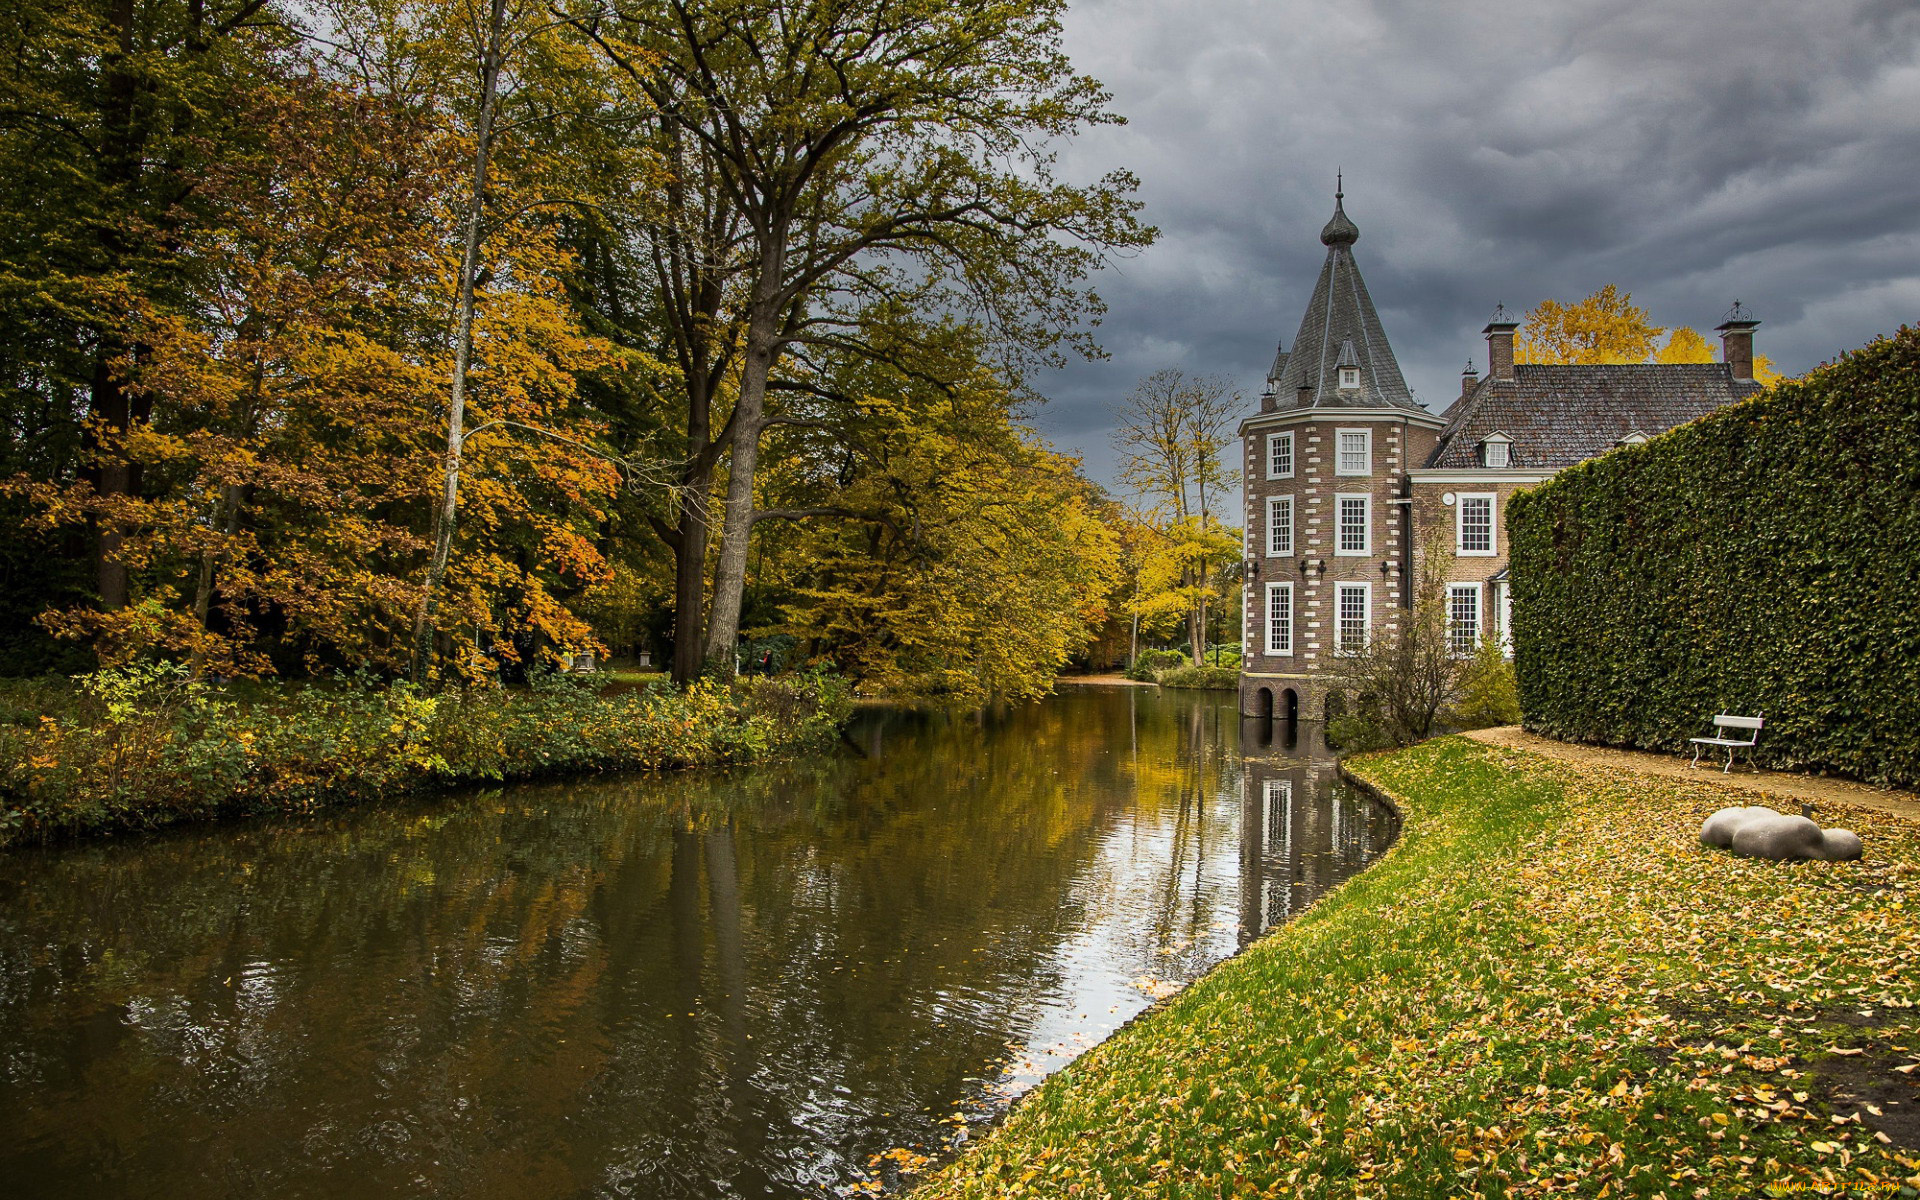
[744, 983]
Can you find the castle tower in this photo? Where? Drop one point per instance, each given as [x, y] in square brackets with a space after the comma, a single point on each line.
[1325, 472]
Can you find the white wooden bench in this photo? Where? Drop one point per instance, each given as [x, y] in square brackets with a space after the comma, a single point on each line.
[1722, 725]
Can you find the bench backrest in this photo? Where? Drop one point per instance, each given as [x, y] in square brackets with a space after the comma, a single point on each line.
[1723, 721]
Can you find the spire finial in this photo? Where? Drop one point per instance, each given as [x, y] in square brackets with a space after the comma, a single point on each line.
[1339, 183]
[1340, 231]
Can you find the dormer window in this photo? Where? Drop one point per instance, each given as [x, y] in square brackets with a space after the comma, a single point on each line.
[1636, 438]
[1348, 365]
[1496, 450]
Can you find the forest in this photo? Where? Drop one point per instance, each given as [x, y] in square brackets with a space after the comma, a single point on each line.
[440, 339]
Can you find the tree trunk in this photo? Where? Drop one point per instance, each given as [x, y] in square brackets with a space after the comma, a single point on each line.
[749, 421]
[694, 534]
[227, 521]
[1196, 629]
[444, 515]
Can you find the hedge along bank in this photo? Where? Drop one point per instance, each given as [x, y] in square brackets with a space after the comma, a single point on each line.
[1763, 559]
[138, 748]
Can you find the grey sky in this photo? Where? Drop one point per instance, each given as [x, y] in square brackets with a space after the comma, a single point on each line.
[1689, 152]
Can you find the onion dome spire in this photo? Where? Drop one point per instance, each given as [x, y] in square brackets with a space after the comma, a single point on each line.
[1340, 231]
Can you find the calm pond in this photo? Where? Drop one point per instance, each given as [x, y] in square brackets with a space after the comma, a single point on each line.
[741, 983]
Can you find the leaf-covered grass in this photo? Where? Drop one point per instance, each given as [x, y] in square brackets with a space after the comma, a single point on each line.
[1545, 988]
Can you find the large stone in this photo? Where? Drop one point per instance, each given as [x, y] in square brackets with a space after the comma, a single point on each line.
[1778, 837]
[1718, 829]
[1840, 845]
[1759, 832]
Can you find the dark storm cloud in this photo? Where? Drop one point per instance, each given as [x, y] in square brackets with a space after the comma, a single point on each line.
[1690, 153]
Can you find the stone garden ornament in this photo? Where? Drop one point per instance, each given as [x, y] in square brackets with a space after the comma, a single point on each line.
[1759, 832]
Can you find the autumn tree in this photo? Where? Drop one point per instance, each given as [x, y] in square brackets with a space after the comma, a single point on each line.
[108, 115]
[874, 154]
[922, 539]
[1607, 327]
[297, 386]
[1172, 433]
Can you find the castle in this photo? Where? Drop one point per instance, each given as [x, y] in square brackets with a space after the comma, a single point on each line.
[1345, 472]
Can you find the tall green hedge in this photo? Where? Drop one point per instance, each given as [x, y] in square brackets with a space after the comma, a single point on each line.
[1763, 559]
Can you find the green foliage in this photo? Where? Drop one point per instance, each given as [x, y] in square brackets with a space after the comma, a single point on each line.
[1148, 664]
[1757, 561]
[1358, 732]
[139, 747]
[1489, 693]
[1210, 677]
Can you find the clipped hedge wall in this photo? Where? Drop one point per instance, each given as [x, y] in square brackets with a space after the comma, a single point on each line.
[1763, 559]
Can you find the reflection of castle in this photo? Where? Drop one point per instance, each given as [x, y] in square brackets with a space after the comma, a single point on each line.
[1302, 830]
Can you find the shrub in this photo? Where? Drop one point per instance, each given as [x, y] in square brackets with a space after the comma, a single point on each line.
[1225, 679]
[143, 746]
[1489, 694]
[1357, 733]
[1148, 664]
[1758, 560]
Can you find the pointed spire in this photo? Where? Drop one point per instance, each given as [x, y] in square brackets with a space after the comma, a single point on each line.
[1340, 231]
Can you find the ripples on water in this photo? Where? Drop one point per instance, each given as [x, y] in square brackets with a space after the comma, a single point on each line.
[737, 983]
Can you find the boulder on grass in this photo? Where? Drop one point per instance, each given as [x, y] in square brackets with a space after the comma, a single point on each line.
[1760, 832]
[1841, 845]
[1718, 829]
[1778, 837]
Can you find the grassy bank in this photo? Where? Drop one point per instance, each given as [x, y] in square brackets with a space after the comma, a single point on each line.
[1545, 988]
[142, 748]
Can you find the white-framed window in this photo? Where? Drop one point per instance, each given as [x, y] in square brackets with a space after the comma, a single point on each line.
[1280, 619]
[1473, 524]
[1349, 377]
[1279, 526]
[1353, 452]
[1353, 517]
[1463, 617]
[1280, 455]
[1352, 616]
[1494, 453]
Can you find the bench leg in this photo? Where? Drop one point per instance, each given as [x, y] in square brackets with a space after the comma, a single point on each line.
[1729, 767]
[1696, 758]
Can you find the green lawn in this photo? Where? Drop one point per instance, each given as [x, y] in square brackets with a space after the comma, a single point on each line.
[1545, 988]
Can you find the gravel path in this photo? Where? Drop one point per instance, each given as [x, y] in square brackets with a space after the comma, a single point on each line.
[1811, 789]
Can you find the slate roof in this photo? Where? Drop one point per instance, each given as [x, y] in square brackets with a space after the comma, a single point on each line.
[1560, 415]
[1340, 312]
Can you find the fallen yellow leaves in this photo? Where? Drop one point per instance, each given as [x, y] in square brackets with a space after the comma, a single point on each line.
[1545, 989]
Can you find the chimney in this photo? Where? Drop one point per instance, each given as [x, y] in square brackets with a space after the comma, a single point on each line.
[1468, 378]
[1736, 341]
[1269, 399]
[1499, 333]
[1303, 395]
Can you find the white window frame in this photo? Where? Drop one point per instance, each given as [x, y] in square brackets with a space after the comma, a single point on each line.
[1487, 449]
[1339, 455]
[1278, 649]
[1340, 590]
[1339, 526]
[1275, 440]
[1479, 617]
[1460, 524]
[1349, 377]
[1275, 549]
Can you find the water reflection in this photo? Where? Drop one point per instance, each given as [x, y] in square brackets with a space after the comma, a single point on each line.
[731, 984]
